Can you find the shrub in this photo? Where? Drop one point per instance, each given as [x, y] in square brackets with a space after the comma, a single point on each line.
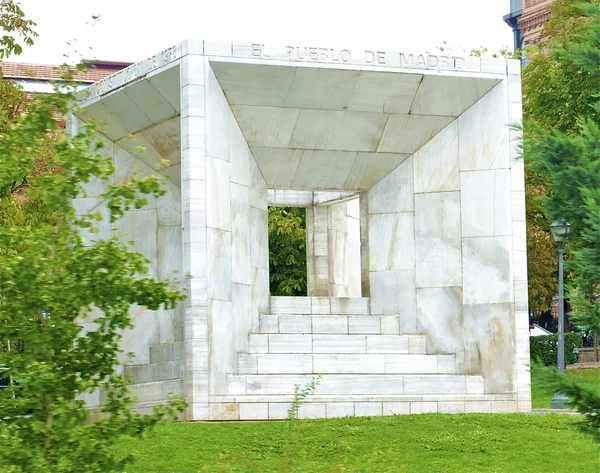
[544, 348]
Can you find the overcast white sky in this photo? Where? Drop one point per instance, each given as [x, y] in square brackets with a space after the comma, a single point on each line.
[131, 30]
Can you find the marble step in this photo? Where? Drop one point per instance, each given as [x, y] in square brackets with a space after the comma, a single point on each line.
[259, 343]
[250, 407]
[346, 364]
[320, 305]
[351, 324]
[356, 384]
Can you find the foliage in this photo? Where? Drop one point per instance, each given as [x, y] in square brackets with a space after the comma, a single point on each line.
[14, 103]
[542, 393]
[570, 162]
[15, 26]
[569, 158]
[300, 394]
[583, 396]
[287, 251]
[544, 348]
[65, 299]
[557, 92]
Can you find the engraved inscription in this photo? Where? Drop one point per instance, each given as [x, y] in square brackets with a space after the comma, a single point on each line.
[315, 54]
[369, 57]
[375, 57]
[135, 71]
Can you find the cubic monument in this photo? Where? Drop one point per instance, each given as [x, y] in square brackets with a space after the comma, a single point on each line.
[416, 250]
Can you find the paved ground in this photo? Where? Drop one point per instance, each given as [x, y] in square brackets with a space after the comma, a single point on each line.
[575, 366]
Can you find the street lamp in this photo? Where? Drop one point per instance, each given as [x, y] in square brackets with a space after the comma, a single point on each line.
[560, 232]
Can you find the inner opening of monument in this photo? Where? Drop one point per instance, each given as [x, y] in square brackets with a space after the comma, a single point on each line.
[287, 251]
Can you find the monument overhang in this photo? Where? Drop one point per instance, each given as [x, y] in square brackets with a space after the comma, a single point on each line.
[416, 249]
[306, 109]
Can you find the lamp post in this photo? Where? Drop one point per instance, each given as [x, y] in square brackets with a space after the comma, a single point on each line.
[560, 231]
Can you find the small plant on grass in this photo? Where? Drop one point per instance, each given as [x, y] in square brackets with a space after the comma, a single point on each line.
[300, 394]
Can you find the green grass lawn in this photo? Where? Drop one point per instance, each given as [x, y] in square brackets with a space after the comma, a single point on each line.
[541, 396]
[476, 443]
[429, 443]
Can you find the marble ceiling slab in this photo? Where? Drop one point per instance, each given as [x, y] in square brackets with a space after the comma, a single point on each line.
[340, 131]
[248, 84]
[407, 133]
[449, 96]
[384, 92]
[266, 126]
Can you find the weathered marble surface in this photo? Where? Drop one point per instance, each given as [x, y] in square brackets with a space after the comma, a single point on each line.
[428, 263]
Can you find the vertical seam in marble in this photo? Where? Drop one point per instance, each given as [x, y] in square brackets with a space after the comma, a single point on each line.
[387, 118]
[416, 93]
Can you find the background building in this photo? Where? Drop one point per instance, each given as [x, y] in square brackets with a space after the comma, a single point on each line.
[512, 20]
[535, 16]
[38, 78]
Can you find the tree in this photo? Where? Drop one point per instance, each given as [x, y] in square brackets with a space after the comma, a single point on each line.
[13, 21]
[555, 93]
[287, 251]
[51, 279]
[568, 156]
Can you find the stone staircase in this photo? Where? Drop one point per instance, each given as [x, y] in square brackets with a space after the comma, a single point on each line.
[367, 366]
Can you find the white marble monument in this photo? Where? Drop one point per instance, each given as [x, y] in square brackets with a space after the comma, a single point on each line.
[415, 228]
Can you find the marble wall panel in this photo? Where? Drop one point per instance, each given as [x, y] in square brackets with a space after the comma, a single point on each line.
[483, 133]
[240, 234]
[88, 205]
[258, 187]
[193, 132]
[337, 260]
[192, 70]
[242, 316]
[438, 239]
[139, 226]
[317, 247]
[394, 193]
[192, 100]
[487, 271]
[436, 163]
[168, 207]
[240, 155]
[394, 235]
[219, 269]
[169, 252]
[222, 357]
[218, 194]
[440, 316]
[353, 253]
[127, 166]
[393, 292]
[485, 200]
[138, 337]
[489, 337]
[217, 118]
[259, 243]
